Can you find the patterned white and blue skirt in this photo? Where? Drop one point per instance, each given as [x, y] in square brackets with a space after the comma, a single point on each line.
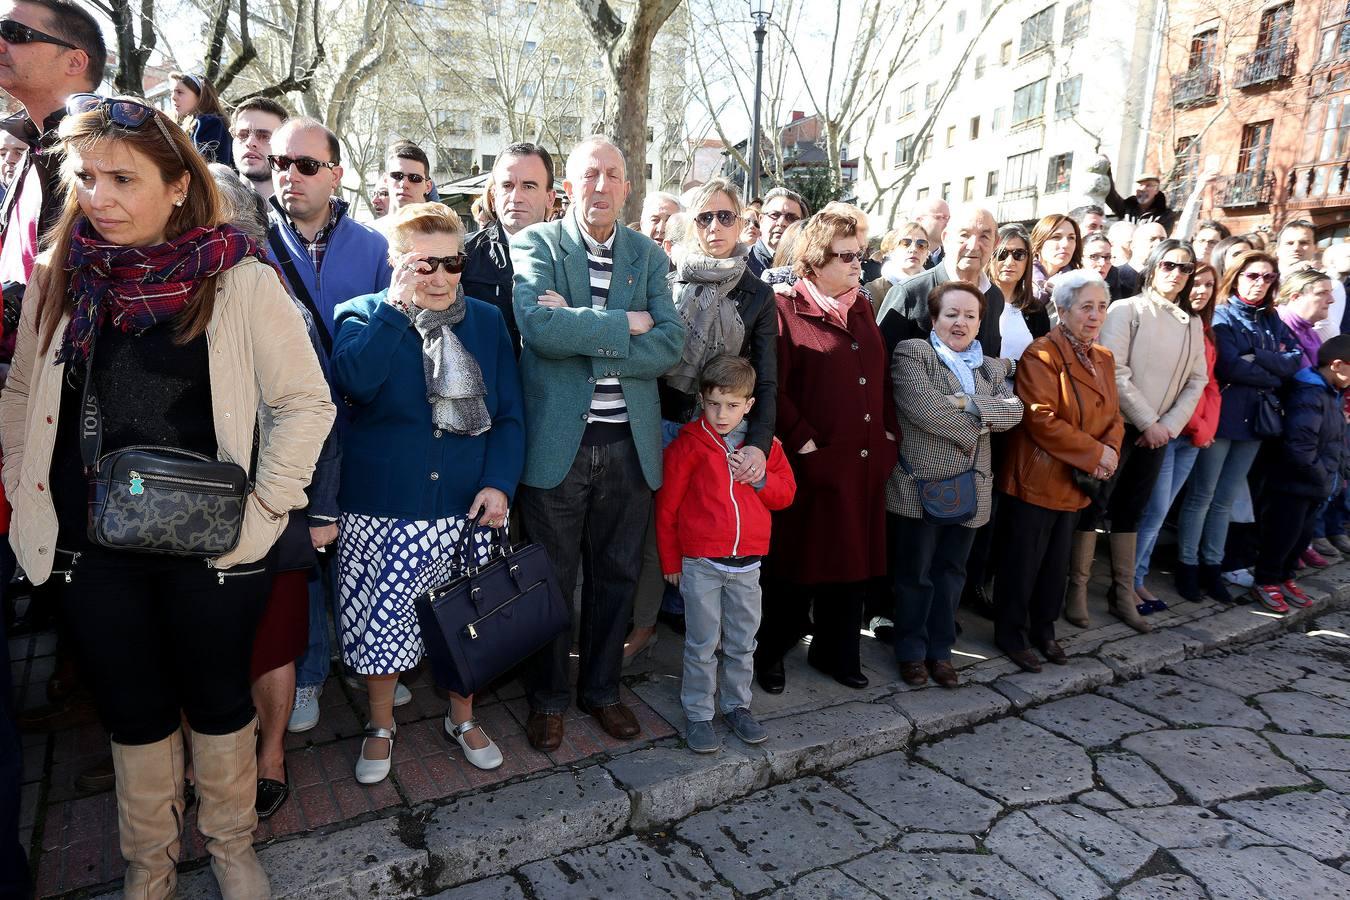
[383, 564]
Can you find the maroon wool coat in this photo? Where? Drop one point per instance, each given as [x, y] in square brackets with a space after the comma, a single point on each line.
[834, 387]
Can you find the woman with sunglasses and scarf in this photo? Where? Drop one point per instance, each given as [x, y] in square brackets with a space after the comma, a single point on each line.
[185, 331]
[203, 117]
[1024, 318]
[1159, 347]
[436, 443]
[1257, 357]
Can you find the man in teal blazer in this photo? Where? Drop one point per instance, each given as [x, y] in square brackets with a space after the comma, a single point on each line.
[598, 327]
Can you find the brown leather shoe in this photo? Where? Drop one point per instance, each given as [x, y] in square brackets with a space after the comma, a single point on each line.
[545, 731]
[617, 720]
[944, 673]
[1054, 653]
[914, 674]
[98, 777]
[1026, 660]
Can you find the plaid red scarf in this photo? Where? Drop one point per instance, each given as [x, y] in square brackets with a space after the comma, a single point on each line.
[137, 287]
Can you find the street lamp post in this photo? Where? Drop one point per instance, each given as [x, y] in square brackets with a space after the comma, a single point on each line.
[760, 11]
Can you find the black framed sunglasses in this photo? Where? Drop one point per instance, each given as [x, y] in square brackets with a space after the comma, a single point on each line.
[1004, 253]
[428, 265]
[411, 176]
[1168, 266]
[779, 214]
[725, 217]
[13, 32]
[906, 243]
[307, 165]
[848, 256]
[129, 114]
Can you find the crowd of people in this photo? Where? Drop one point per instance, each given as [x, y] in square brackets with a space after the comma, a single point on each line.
[743, 416]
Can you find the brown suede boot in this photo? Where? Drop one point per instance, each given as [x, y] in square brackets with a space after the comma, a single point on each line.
[1121, 595]
[226, 767]
[1080, 570]
[150, 815]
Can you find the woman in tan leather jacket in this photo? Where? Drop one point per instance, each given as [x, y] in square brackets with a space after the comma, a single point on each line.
[193, 331]
[1072, 424]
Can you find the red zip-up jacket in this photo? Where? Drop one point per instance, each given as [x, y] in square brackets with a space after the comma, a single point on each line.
[702, 512]
[1204, 421]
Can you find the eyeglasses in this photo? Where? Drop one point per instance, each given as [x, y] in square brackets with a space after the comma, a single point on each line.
[307, 165]
[1184, 268]
[427, 265]
[778, 215]
[13, 32]
[1004, 253]
[244, 134]
[848, 256]
[128, 114]
[725, 217]
[411, 176]
[1099, 257]
[1267, 277]
[906, 243]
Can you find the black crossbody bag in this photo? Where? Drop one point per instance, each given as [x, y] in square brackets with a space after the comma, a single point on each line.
[153, 499]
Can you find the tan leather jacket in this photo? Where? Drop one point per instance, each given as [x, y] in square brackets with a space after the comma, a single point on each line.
[259, 354]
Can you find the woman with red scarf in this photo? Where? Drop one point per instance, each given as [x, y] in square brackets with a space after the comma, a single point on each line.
[185, 331]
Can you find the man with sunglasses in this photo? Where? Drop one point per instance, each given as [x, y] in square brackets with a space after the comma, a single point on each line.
[407, 175]
[781, 208]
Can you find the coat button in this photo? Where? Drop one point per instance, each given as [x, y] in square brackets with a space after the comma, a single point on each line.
[42, 551]
[436, 433]
[227, 415]
[585, 416]
[49, 420]
[864, 454]
[867, 417]
[862, 381]
[590, 381]
[435, 476]
[41, 487]
[855, 345]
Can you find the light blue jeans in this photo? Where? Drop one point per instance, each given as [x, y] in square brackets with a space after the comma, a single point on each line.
[718, 606]
[1217, 478]
[1176, 468]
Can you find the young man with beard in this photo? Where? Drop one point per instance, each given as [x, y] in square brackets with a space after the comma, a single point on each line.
[252, 126]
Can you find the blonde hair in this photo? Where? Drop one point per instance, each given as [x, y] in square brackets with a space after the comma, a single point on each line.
[420, 218]
[1296, 284]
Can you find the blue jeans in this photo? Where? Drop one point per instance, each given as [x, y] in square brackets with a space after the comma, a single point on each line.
[1218, 476]
[1178, 459]
[312, 668]
[719, 608]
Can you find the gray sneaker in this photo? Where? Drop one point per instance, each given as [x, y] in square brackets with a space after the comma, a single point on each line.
[1326, 548]
[745, 727]
[702, 739]
[1341, 542]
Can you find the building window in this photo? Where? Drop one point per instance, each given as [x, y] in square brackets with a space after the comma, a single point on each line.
[930, 94]
[1275, 27]
[979, 67]
[926, 152]
[904, 151]
[1005, 53]
[951, 135]
[1328, 135]
[946, 191]
[1023, 171]
[490, 84]
[492, 125]
[1067, 93]
[907, 100]
[974, 128]
[1203, 48]
[883, 159]
[935, 39]
[960, 21]
[991, 183]
[529, 89]
[996, 120]
[1029, 102]
[651, 135]
[489, 160]
[1076, 21]
[1254, 154]
[1057, 173]
[570, 127]
[1037, 31]
[921, 194]
[985, 6]
[458, 161]
[598, 94]
[968, 189]
[887, 117]
[1186, 166]
[648, 171]
[528, 48]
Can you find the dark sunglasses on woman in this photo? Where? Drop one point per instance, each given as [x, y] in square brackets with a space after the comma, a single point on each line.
[128, 114]
[307, 165]
[1267, 277]
[1003, 253]
[13, 32]
[848, 256]
[428, 265]
[1168, 266]
[411, 176]
[725, 217]
[906, 243]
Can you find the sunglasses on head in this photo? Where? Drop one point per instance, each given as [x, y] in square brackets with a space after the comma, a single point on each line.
[129, 114]
[1003, 253]
[428, 265]
[848, 256]
[411, 176]
[13, 32]
[1267, 277]
[777, 215]
[307, 165]
[1168, 266]
[725, 217]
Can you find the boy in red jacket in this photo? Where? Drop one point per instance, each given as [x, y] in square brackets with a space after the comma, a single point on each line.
[712, 532]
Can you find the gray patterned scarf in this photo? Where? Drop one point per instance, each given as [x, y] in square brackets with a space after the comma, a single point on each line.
[714, 326]
[454, 382]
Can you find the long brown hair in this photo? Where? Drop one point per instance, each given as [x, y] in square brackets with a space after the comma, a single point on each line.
[208, 101]
[1207, 314]
[1042, 233]
[174, 157]
[1022, 298]
[1228, 287]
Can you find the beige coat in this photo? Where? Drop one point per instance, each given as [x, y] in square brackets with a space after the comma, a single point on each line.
[259, 354]
[1160, 360]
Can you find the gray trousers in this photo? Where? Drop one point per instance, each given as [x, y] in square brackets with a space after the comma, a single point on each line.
[718, 606]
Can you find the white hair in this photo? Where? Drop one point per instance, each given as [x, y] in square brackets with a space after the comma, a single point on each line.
[650, 201]
[1068, 285]
[584, 147]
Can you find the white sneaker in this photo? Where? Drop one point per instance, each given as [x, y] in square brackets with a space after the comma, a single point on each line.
[305, 714]
[488, 758]
[402, 696]
[1240, 577]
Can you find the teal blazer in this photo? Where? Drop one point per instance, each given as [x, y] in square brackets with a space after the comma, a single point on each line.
[567, 349]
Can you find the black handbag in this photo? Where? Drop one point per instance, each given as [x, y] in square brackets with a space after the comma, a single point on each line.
[947, 501]
[492, 617]
[1268, 417]
[153, 499]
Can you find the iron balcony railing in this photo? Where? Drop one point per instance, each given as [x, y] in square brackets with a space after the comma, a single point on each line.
[1250, 188]
[1266, 64]
[1195, 87]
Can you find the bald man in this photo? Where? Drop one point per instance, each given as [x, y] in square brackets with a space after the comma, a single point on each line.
[933, 215]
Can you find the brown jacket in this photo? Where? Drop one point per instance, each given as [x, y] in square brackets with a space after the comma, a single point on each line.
[259, 354]
[1056, 434]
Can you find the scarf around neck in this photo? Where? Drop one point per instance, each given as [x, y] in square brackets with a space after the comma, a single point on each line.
[1081, 349]
[962, 363]
[835, 308]
[137, 287]
[713, 324]
[1309, 341]
[454, 381]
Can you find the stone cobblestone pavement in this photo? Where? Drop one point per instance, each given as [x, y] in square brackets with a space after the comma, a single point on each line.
[1209, 758]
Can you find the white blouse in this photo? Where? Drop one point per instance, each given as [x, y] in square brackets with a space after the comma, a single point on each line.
[1013, 333]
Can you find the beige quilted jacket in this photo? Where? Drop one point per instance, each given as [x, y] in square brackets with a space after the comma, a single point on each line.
[259, 354]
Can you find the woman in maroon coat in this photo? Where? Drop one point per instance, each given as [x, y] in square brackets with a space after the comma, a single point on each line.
[837, 424]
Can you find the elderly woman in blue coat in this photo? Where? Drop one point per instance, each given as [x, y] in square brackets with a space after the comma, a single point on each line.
[436, 439]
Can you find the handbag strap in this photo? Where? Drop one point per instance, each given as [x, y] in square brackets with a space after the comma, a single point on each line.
[465, 547]
[91, 417]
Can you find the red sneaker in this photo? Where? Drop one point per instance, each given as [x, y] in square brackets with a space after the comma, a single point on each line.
[1314, 559]
[1269, 596]
[1294, 596]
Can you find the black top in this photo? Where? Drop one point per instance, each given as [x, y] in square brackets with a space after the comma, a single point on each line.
[151, 390]
[489, 275]
[909, 317]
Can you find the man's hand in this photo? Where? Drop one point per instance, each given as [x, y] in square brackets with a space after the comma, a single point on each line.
[673, 579]
[323, 536]
[748, 464]
[552, 299]
[808, 447]
[639, 323]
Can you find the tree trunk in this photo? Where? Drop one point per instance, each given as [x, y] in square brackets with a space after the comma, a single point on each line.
[630, 123]
[131, 51]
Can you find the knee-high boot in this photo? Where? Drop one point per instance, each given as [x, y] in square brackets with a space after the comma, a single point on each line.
[1080, 570]
[1121, 595]
[226, 766]
[150, 814]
